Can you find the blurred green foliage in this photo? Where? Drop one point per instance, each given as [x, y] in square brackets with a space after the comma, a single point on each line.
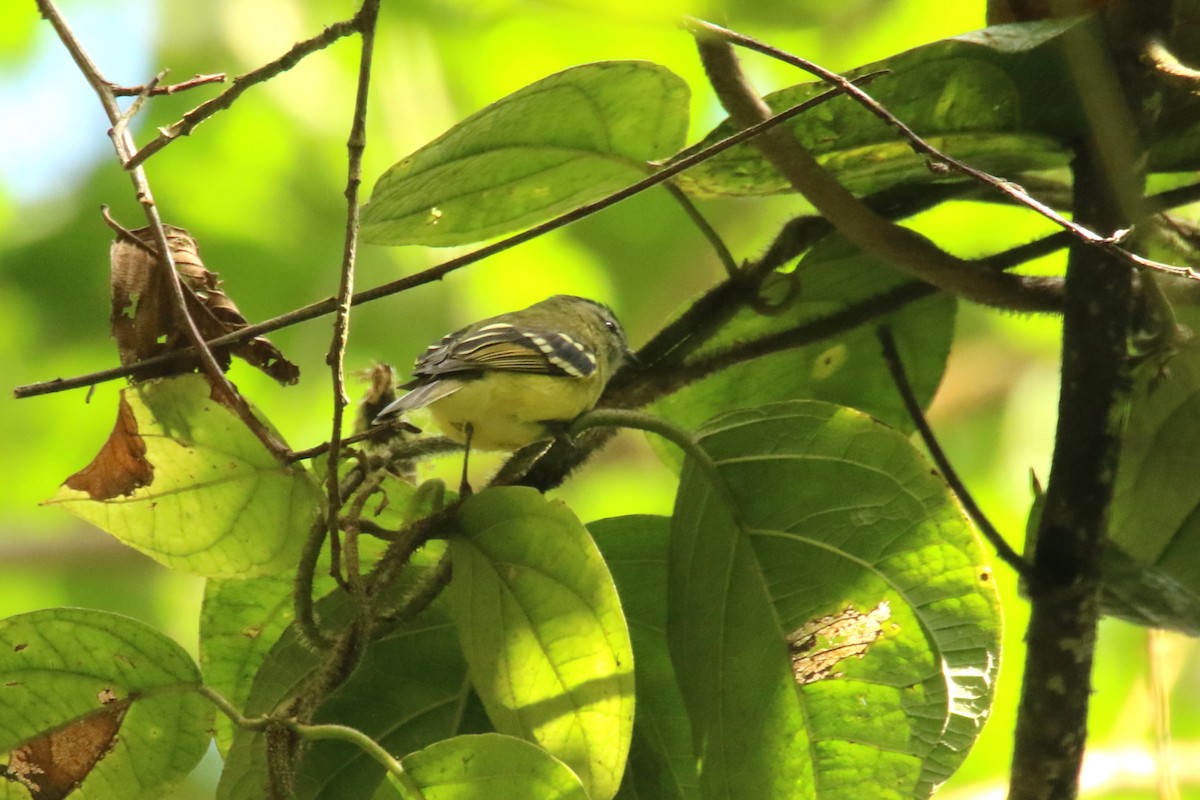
[260, 187]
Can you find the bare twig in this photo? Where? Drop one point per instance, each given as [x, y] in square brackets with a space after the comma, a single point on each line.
[123, 144]
[435, 273]
[879, 237]
[172, 88]
[241, 83]
[896, 366]
[366, 18]
[706, 229]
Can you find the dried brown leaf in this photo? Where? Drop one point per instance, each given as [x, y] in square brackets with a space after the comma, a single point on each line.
[143, 317]
[121, 466]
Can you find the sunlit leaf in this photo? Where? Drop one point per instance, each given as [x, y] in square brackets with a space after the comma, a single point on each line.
[846, 368]
[662, 763]
[99, 701]
[182, 479]
[982, 97]
[542, 630]
[551, 146]
[491, 766]
[837, 636]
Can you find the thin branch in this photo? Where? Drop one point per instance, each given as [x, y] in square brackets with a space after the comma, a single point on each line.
[895, 364]
[879, 237]
[706, 229]
[435, 273]
[172, 88]
[123, 144]
[302, 589]
[1109, 243]
[342, 733]
[366, 18]
[241, 83]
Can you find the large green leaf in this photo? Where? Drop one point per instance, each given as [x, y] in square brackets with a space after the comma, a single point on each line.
[542, 630]
[662, 763]
[836, 632]
[846, 368]
[999, 99]
[99, 700]
[1155, 522]
[555, 144]
[182, 479]
[491, 766]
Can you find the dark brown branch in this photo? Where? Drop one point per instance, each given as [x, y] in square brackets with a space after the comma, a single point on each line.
[1052, 717]
[876, 236]
[896, 366]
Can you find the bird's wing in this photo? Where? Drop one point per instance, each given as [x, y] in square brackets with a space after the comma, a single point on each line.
[501, 346]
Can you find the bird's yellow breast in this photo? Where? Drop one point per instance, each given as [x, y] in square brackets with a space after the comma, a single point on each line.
[507, 410]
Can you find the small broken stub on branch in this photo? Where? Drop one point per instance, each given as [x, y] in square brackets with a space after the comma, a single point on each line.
[51, 766]
[820, 645]
[144, 319]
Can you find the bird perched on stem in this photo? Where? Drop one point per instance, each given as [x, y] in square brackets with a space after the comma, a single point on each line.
[517, 378]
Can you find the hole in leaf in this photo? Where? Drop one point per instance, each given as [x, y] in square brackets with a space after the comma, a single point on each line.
[820, 645]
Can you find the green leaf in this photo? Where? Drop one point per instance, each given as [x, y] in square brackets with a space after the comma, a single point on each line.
[836, 636]
[662, 763]
[1147, 595]
[1155, 518]
[490, 766]
[554, 145]
[847, 368]
[239, 623]
[542, 630]
[981, 97]
[97, 699]
[184, 481]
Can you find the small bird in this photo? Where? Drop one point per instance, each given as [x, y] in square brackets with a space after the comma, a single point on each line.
[517, 378]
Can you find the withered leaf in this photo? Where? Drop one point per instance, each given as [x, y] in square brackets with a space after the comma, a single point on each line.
[821, 644]
[55, 763]
[121, 466]
[143, 317]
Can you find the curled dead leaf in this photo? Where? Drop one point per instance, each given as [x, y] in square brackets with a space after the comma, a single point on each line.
[121, 466]
[143, 316]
